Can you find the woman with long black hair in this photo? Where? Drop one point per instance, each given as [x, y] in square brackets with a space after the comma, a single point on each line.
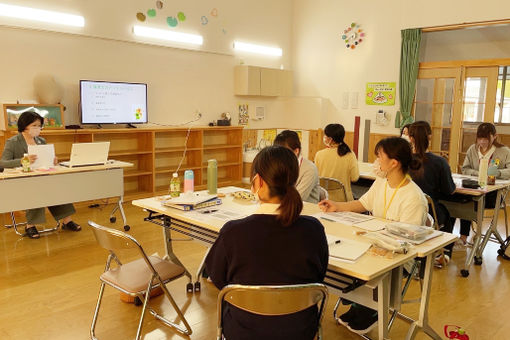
[337, 161]
[274, 246]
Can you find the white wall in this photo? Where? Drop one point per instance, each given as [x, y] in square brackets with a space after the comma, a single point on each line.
[324, 67]
[179, 81]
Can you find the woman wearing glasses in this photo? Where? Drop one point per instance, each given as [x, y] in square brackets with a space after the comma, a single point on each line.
[29, 127]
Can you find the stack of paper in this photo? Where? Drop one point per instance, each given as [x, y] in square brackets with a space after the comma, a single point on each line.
[192, 201]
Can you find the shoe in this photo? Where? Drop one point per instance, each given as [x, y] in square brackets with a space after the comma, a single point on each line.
[441, 261]
[32, 232]
[347, 317]
[364, 322]
[71, 226]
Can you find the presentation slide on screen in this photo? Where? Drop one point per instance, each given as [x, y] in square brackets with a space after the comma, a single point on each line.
[106, 103]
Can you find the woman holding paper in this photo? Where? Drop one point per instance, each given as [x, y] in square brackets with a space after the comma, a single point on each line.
[274, 246]
[393, 196]
[29, 127]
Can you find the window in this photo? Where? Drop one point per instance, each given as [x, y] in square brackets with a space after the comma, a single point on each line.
[502, 109]
[474, 99]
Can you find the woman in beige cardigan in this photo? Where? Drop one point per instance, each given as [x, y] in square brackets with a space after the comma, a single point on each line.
[337, 161]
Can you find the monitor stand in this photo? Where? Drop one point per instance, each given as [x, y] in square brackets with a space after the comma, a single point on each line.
[129, 125]
[99, 126]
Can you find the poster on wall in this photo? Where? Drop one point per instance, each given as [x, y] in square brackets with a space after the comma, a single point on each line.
[380, 94]
[243, 114]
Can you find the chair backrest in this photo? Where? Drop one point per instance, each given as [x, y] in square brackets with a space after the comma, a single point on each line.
[434, 223]
[335, 189]
[273, 300]
[112, 239]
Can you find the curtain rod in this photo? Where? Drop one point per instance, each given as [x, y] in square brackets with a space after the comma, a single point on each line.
[465, 25]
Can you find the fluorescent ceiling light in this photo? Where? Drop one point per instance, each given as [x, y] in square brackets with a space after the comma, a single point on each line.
[41, 15]
[260, 49]
[169, 35]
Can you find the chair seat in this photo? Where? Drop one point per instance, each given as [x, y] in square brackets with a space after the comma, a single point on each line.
[133, 277]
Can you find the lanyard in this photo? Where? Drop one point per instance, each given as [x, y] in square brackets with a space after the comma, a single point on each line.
[386, 207]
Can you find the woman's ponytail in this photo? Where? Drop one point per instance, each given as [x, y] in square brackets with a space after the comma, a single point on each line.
[337, 133]
[291, 205]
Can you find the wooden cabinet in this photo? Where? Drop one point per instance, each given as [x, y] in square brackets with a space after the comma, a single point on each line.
[157, 152]
[261, 81]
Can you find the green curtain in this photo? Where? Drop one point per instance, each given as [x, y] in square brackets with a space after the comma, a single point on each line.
[409, 53]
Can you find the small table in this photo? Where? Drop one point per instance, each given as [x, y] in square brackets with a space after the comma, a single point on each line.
[36, 189]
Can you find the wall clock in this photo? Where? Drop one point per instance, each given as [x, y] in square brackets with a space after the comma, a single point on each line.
[353, 36]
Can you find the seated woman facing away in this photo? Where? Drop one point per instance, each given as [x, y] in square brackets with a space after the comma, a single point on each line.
[29, 127]
[337, 161]
[308, 181]
[434, 177]
[274, 246]
[393, 196]
[498, 155]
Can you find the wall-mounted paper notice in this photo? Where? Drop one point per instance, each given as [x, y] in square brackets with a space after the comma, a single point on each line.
[45, 155]
[354, 100]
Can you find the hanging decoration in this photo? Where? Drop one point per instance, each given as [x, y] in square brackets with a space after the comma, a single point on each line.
[353, 36]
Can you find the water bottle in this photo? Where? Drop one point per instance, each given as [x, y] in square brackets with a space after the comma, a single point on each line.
[212, 176]
[482, 172]
[175, 185]
[188, 181]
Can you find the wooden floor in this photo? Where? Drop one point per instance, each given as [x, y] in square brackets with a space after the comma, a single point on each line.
[48, 290]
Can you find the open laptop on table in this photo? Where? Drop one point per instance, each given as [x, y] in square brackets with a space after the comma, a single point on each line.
[83, 154]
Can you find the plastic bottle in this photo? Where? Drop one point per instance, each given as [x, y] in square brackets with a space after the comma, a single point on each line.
[212, 176]
[492, 172]
[25, 163]
[482, 172]
[175, 185]
[188, 181]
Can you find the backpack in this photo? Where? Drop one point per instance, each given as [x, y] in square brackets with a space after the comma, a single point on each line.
[504, 250]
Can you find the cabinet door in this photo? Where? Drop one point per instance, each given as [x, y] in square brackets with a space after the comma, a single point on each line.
[285, 83]
[269, 82]
[247, 80]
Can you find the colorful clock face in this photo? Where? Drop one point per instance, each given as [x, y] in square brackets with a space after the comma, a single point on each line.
[353, 36]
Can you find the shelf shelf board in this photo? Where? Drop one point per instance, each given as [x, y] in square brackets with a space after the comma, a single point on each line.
[223, 146]
[128, 153]
[133, 173]
[172, 169]
[223, 164]
[135, 194]
[175, 149]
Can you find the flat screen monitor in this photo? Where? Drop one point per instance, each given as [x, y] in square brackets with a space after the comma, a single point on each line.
[104, 102]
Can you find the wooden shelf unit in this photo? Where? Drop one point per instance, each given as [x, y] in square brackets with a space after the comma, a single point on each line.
[157, 152]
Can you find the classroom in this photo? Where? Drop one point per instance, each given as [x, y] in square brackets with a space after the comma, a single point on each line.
[349, 160]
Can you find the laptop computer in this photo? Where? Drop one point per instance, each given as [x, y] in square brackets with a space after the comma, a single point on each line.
[83, 154]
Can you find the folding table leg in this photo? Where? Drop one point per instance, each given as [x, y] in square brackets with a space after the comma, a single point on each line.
[170, 255]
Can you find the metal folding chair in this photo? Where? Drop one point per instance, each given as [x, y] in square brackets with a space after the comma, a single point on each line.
[335, 189]
[136, 278]
[273, 300]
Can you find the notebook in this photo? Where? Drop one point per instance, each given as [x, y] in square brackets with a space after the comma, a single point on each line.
[345, 249]
[188, 202]
[83, 154]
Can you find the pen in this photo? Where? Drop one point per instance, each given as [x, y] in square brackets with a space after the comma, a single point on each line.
[209, 211]
[327, 219]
